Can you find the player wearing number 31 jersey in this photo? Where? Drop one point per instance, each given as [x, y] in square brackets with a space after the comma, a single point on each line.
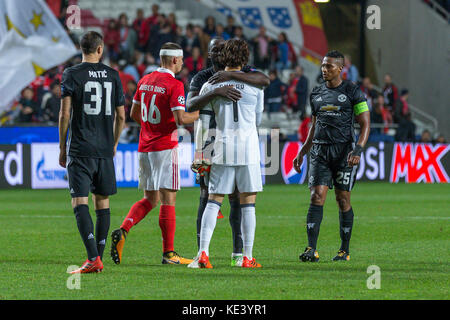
[92, 113]
[158, 106]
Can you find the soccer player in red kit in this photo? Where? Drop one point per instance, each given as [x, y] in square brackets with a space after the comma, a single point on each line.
[158, 106]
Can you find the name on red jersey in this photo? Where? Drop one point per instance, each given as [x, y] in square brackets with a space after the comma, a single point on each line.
[152, 88]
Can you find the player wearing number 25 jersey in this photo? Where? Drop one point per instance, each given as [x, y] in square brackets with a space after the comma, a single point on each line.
[158, 106]
[92, 113]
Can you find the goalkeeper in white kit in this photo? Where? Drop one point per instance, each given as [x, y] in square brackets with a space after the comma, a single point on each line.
[236, 154]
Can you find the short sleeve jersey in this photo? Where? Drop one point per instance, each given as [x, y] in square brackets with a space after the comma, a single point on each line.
[96, 91]
[334, 109]
[159, 94]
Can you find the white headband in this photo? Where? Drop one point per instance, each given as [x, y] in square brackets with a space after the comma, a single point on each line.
[171, 52]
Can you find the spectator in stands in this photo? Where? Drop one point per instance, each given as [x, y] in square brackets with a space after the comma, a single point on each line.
[146, 26]
[401, 109]
[172, 21]
[194, 63]
[426, 136]
[149, 65]
[189, 40]
[350, 72]
[159, 32]
[137, 23]
[406, 131]
[376, 117]
[52, 105]
[166, 33]
[261, 49]
[184, 76]
[131, 87]
[286, 57]
[385, 113]
[124, 77]
[239, 33]
[303, 130]
[291, 96]
[368, 90]
[28, 107]
[274, 93]
[112, 40]
[210, 26]
[440, 139]
[301, 90]
[128, 38]
[220, 32]
[203, 40]
[390, 92]
[132, 66]
[230, 25]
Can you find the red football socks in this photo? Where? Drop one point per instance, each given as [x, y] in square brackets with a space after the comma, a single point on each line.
[167, 222]
[137, 212]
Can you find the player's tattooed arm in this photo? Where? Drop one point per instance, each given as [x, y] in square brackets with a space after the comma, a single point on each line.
[255, 78]
[63, 127]
[196, 102]
[306, 146]
[119, 122]
[354, 156]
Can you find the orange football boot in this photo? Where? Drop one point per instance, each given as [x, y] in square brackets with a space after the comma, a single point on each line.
[90, 266]
[246, 263]
[203, 262]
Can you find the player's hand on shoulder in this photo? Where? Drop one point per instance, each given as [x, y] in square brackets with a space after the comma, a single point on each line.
[228, 92]
[220, 76]
[298, 161]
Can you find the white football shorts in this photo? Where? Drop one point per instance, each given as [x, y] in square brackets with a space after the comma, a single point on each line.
[159, 170]
[224, 179]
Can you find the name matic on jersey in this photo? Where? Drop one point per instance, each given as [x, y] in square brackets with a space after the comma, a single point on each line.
[150, 87]
[98, 74]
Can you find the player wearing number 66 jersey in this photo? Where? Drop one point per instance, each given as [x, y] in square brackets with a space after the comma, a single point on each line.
[92, 112]
[158, 106]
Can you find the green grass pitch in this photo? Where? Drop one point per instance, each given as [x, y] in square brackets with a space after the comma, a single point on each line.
[403, 229]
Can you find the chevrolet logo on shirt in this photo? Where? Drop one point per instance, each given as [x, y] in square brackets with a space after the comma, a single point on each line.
[330, 107]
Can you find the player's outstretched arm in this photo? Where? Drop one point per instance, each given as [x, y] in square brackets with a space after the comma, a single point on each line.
[255, 78]
[364, 122]
[306, 146]
[63, 126]
[119, 122]
[196, 102]
[182, 117]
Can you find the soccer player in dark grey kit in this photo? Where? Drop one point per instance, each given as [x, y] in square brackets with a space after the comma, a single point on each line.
[334, 156]
[92, 111]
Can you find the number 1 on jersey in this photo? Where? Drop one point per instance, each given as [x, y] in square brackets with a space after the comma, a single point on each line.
[154, 115]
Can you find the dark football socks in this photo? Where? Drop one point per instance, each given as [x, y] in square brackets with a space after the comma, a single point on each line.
[313, 220]
[86, 229]
[346, 226]
[102, 229]
[235, 223]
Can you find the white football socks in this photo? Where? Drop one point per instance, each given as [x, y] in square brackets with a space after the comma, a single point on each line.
[209, 220]
[248, 227]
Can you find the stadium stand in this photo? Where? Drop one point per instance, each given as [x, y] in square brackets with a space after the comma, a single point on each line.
[133, 58]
